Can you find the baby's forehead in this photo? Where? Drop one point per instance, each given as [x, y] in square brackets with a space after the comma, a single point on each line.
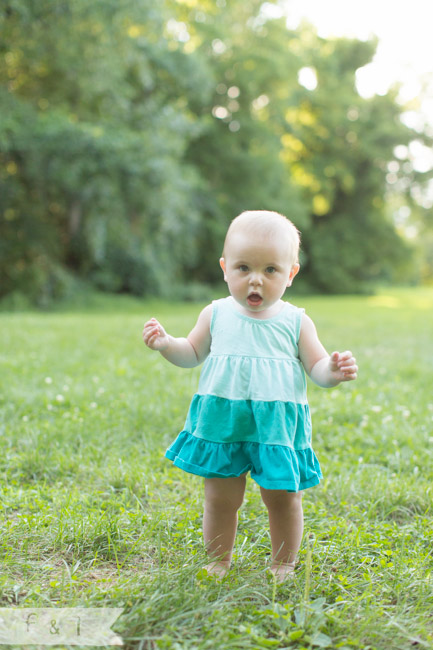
[241, 244]
[257, 237]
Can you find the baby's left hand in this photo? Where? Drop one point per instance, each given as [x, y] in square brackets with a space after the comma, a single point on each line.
[343, 366]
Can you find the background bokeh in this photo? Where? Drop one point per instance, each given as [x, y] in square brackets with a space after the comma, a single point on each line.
[132, 132]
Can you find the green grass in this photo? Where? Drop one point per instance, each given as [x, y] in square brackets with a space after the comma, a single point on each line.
[93, 515]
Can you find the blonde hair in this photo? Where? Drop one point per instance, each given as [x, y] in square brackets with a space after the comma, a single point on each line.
[266, 224]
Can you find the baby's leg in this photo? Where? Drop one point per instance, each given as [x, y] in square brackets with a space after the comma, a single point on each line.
[223, 498]
[286, 524]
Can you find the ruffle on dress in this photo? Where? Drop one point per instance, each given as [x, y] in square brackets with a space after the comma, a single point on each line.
[273, 467]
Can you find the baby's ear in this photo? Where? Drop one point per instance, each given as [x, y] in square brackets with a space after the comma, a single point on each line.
[293, 272]
[223, 266]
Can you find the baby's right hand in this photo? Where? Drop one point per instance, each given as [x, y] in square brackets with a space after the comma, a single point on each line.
[155, 336]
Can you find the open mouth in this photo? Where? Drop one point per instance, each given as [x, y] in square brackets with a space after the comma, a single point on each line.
[254, 299]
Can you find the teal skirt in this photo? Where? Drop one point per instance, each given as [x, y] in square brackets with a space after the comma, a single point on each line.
[225, 438]
[273, 467]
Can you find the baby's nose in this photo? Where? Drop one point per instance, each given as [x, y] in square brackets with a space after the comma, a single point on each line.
[256, 279]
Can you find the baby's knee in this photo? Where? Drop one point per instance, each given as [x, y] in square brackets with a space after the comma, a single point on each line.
[219, 496]
[281, 499]
[222, 502]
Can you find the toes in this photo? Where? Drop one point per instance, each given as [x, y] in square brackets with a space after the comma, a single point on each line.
[218, 569]
[283, 571]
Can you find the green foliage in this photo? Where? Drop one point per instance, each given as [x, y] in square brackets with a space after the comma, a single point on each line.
[337, 145]
[133, 132]
[92, 148]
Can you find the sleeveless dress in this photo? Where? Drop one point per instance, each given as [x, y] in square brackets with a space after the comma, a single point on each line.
[250, 412]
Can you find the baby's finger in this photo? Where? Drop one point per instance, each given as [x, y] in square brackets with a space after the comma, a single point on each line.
[154, 335]
[152, 342]
[334, 360]
[348, 363]
[148, 326]
[147, 329]
[151, 323]
[150, 334]
[350, 372]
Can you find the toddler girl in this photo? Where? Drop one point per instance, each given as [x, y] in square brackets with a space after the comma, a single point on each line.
[251, 412]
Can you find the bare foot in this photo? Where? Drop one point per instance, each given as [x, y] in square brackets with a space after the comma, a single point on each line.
[219, 568]
[282, 571]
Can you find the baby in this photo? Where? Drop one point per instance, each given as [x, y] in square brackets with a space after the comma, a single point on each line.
[250, 413]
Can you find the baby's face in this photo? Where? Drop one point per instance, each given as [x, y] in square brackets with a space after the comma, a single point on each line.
[258, 271]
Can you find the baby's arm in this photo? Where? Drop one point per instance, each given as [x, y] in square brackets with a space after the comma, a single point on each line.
[186, 353]
[324, 370]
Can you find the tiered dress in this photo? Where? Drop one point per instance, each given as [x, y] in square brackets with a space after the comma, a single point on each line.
[250, 412]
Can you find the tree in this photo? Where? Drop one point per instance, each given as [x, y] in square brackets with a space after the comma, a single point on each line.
[132, 132]
[337, 146]
[93, 147]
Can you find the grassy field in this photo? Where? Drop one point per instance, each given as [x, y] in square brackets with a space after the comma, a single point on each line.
[93, 515]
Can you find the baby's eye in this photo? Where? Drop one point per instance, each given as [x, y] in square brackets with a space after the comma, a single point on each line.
[243, 268]
[271, 269]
